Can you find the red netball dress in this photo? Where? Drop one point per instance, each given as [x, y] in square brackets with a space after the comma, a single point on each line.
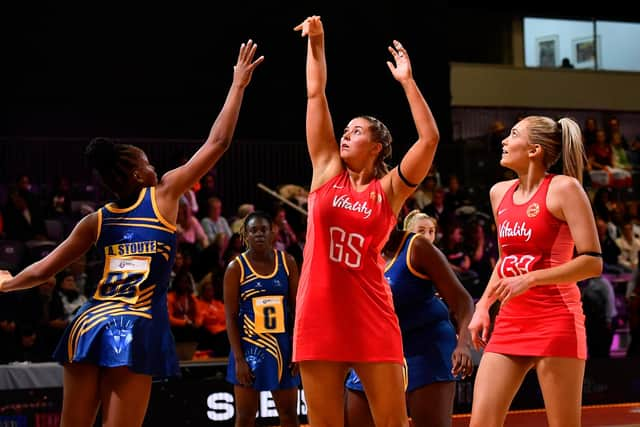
[546, 320]
[344, 306]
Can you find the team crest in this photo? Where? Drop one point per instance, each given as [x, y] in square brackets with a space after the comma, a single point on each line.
[375, 196]
[533, 210]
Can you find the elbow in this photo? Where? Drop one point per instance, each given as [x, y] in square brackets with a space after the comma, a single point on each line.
[597, 266]
[593, 268]
[221, 142]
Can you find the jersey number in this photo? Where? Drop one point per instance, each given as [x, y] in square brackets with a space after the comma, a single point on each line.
[269, 314]
[515, 266]
[122, 278]
[346, 247]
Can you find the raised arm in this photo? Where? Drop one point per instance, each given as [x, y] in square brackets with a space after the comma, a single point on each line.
[177, 181]
[79, 241]
[321, 139]
[416, 162]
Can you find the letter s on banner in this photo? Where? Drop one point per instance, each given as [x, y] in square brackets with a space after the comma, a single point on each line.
[221, 406]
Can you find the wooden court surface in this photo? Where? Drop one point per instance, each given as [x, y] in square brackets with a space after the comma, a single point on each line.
[614, 415]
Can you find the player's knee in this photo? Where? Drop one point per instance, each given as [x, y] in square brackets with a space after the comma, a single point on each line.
[289, 419]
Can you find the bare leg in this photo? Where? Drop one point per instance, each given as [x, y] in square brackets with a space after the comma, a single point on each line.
[287, 404]
[384, 386]
[80, 395]
[246, 405]
[357, 413]
[561, 380]
[125, 397]
[432, 405]
[323, 384]
[499, 378]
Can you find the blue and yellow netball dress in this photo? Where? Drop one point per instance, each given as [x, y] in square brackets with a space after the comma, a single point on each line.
[428, 336]
[265, 326]
[126, 321]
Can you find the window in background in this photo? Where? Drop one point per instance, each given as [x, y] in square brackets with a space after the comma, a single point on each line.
[568, 43]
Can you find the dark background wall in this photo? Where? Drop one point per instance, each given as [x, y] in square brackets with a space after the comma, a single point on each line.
[164, 71]
[161, 72]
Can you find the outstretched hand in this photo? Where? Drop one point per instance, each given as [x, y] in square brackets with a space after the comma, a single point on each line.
[243, 70]
[312, 26]
[4, 276]
[401, 70]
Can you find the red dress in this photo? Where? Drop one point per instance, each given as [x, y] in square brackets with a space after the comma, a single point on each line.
[344, 307]
[546, 320]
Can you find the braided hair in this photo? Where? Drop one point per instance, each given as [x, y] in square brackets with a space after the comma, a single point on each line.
[113, 161]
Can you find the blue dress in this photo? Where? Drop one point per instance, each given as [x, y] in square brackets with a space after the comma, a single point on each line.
[428, 336]
[265, 324]
[126, 321]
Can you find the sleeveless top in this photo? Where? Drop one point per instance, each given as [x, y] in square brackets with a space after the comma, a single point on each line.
[265, 322]
[546, 320]
[344, 308]
[414, 296]
[125, 322]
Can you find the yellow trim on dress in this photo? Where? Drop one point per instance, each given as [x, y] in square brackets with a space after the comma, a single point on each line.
[156, 227]
[111, 207]
[162, 219]
[398, 250]
[242, 272]
[408, 260]
[284, 262]
[275, 269]
[99, 225]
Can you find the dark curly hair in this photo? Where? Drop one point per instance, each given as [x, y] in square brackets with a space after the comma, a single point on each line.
[113, 161]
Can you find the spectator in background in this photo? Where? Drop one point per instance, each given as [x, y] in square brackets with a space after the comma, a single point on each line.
[438, 210]
[455, 196]
[215, 225]
[8, 326]
[424, 193]
[589, 130]
[483, 253]
[208, 189]
[454, 249]
[566, 63]
[233, 249]
[59, 203]
[189, 232]
[23, 219]
[243, 210]
[183, 309]
[42, 308]
[610, 250]
[71, 297]
[284, 233]
[211, 316]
